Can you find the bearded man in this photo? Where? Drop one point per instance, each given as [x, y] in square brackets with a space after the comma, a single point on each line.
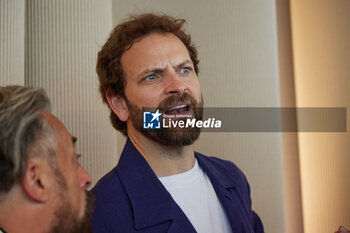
[147, 68]
[42, 185]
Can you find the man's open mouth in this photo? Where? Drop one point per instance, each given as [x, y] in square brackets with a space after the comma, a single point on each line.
[183, 109]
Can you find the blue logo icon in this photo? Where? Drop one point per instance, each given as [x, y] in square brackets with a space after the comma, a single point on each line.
[151, 120]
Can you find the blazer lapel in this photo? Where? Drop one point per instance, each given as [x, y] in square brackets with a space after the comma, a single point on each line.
[181, 224]
[226, 190]
[151, 202]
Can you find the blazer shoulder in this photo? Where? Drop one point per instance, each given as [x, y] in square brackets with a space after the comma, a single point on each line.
[109, 192]
[111, 206]
[107, 182]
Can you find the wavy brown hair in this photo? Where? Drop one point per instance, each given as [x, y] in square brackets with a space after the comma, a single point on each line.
[131, 30]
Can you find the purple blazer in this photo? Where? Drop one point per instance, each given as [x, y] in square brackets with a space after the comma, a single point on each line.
[130, 198]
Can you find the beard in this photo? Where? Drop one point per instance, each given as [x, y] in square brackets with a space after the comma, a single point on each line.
[66, 221]
[177, 137]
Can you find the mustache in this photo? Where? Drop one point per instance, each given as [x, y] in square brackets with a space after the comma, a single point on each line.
[173, 99]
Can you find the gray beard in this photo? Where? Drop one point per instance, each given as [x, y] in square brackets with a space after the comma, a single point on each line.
[65, 221]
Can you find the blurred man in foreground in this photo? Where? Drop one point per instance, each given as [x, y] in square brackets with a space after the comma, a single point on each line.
[42, 185]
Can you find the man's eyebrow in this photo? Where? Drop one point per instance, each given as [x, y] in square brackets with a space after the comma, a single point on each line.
[184, 63]
[157, 70]
[148, 71]
[74, 139]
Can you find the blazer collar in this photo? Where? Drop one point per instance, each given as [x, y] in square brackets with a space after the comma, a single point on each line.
[217, 175]
[151, 202]
[224, 180]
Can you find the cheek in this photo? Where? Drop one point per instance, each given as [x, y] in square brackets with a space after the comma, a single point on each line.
[74, 183]
[146, 98]
[77, 195]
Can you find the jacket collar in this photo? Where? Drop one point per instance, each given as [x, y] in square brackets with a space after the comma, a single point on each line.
[151, 202]
[218, 176]
[224, 180]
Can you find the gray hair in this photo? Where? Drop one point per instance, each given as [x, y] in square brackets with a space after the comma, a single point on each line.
[22, 125]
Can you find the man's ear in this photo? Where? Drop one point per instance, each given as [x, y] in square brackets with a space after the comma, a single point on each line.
[118, 105]
[36, 180]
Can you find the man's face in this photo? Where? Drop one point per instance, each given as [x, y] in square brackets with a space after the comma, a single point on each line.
[73, 202]
[159, 74]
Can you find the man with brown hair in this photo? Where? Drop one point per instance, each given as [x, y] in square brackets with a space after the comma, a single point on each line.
[42, 185]
[148, 71]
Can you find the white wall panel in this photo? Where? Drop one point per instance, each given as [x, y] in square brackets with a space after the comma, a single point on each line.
[63, 38]
[12, 14]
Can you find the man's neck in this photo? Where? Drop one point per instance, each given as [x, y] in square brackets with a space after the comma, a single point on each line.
[164, 160]
[18, 215]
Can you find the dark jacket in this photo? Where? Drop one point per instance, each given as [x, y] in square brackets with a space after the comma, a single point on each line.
[130, 198]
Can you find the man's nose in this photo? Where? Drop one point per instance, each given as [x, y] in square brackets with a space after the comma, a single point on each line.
[175, 84]
[85, 178]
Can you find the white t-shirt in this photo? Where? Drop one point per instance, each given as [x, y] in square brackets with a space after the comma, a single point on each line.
[194, 193]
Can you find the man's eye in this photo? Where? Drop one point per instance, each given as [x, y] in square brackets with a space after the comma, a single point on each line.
[185, 70]
[151, 77]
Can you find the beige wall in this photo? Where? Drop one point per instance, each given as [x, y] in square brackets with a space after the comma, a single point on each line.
[321, 50]
[291, 167]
